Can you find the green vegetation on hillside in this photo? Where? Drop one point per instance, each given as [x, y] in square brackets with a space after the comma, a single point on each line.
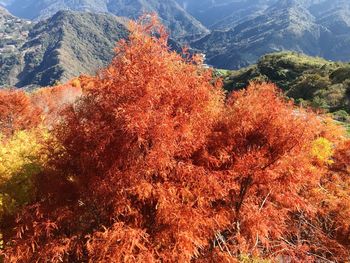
[310, 81]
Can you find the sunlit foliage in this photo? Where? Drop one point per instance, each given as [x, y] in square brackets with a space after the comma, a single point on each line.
[23, 134]
[20, 159]
[17, 112]
[322, 150]
[51, 101]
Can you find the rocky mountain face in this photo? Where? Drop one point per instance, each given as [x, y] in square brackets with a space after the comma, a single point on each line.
[313, 27]
[336, 40]
[57, 49]
[13, 34]
[180, 23]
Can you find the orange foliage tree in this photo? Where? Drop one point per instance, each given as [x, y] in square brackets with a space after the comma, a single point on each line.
[156, 164]
[23, 111]
[51, 101]
[17, 112]
[24, 122]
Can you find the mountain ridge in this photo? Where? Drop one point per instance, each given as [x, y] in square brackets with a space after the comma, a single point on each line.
[179, 22]
[286, 25]
[62, 47]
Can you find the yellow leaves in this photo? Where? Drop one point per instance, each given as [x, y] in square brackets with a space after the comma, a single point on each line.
[20, 158]
[249, 259]
[7, 204]
[76, 83]
[20, 150]
[1, 203]
[322, 150]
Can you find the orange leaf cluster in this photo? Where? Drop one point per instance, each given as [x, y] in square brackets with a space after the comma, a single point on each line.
[22, 111]
[51, 101]
[17, 112]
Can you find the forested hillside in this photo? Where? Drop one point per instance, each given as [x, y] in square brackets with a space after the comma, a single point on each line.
[311, 81]
[13, 34]
[322, 83]
[224, 14]
[151, 160]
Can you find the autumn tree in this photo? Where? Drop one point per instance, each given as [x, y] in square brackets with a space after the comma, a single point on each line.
[24, 120]
[156, 164]
[17, 112]
[21, 158]
[17, 150]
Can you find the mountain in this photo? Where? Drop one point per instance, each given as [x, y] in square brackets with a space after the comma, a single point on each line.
[54, 48]
[280, 27]
[34, 9]
[296, 25]
[336, 40]
[180, 23]
[57, 49]
[218, 14]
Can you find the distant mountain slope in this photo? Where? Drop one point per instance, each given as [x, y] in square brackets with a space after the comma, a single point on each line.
[64, 46]
[336, 40]
[220, 14]
[280, 27]
[243, 30]
[5, 2]
[180, 23]
[285, 25]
